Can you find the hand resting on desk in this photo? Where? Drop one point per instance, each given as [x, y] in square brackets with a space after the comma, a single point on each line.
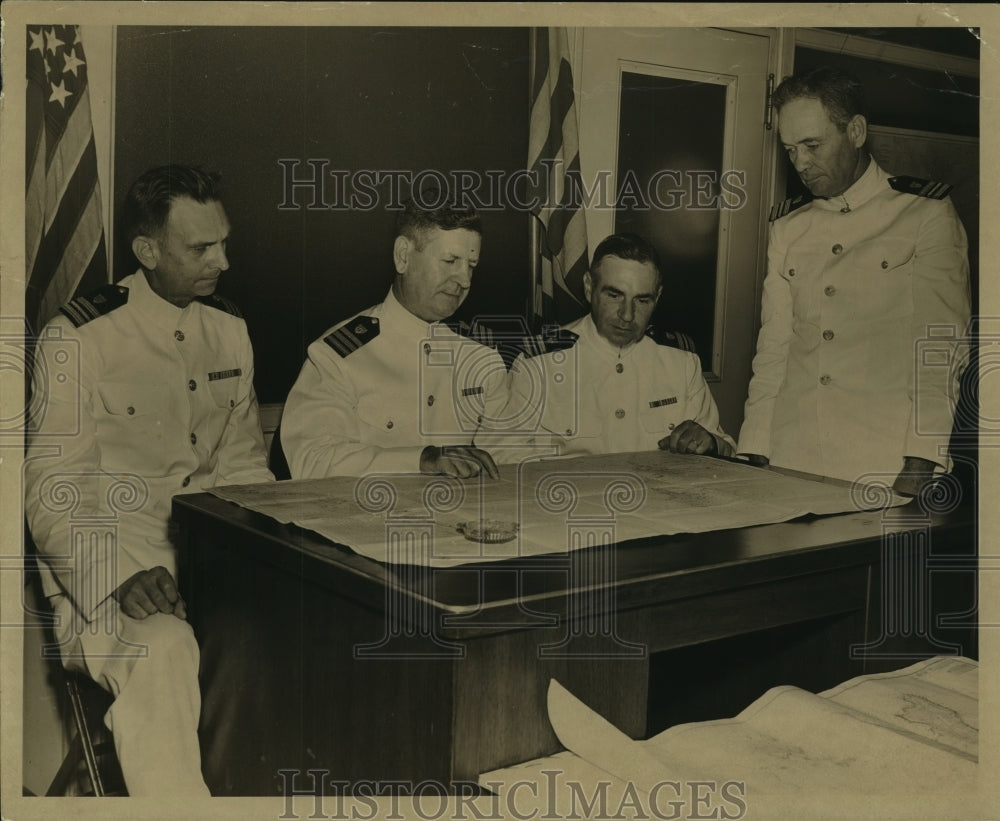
[460, 461]
[690, 437]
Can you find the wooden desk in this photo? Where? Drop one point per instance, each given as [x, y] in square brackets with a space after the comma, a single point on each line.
[315, 658]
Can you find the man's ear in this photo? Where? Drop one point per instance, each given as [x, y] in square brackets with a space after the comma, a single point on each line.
[147, 252]
[401, 253]
[588, 285]
[857, 130]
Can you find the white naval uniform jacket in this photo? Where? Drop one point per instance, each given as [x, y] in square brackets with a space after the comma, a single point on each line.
[865, 310]
[132, 389]
[377, 389]
[594, 397]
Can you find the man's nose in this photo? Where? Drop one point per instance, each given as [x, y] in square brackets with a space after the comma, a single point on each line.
[627, 311]
[219, 258]
[463, 273]
[801, 161]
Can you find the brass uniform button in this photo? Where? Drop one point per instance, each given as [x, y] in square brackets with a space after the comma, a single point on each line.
[885, 264]
[186, 482]
[430, 400]
[620, 413]
[130, 410]
[194, 439]
[825, 380]
[829, 290]
[619, 367]
[192, 384]
[791, 272]
[827, 335]
[179, 336]
[837, 248]
[388, 425]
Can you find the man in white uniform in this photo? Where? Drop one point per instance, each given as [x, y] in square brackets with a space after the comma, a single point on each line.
[861, 275]
[602, 385]
[394, 389]
[159, 401]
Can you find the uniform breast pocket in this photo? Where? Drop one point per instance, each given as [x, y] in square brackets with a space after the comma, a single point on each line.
[661, 419]
[884, 269]
[133, 400]
[224, 386]
[382, 418]
[800, 271]
[561, 415]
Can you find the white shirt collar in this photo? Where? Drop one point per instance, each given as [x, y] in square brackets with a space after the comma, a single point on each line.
[872, 182]
[589, 335]
[400, 320]
[152, 305]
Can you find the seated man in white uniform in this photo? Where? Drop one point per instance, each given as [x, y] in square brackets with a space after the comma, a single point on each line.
[160, 401]
[393, 389]
[602, 385]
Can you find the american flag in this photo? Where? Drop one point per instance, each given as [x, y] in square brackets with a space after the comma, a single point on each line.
[554, 160]
[64, 235]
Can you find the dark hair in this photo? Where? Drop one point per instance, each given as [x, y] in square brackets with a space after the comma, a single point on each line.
[841, 94]
[147, 204]
[431, 208]
[626, 246]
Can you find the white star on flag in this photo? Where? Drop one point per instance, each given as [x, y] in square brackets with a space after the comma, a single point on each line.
[37, 41]
[52, 42]
[59, 94]
[71, 62]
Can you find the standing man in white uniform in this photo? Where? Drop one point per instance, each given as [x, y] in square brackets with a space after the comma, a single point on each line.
[602, 385]
[862, 275]
[394, 389]
[160, 401]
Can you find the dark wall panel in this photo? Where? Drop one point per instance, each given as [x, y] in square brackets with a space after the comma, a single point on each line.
[409, 100]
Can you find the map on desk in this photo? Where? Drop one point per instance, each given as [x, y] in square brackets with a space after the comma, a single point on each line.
[550, 506]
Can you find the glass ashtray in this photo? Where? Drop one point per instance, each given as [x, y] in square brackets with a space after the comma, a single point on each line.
[489, 531]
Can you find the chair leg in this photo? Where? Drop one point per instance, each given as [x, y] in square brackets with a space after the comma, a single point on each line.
[83, 731]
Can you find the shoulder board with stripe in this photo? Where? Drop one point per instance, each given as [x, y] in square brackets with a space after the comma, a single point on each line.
[921, 188]
[220, 302]
[97, 303]
[353, 334]
[672, 339]
[548, 341]
[783, 209]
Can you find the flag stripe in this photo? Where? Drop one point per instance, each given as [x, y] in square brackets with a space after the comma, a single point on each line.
[553, 159]
[75, 212]
[34, 215]
[76, 259]
[64, 159]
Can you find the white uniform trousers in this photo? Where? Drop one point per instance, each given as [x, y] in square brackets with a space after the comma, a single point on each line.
[150, 666]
